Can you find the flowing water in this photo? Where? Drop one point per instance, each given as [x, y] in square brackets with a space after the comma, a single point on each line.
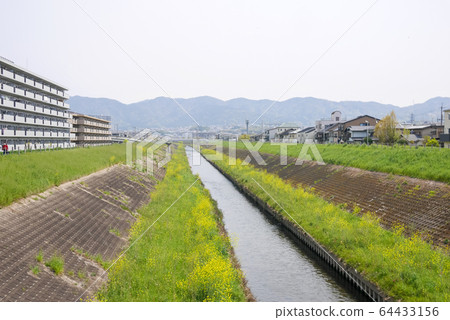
[276, 266]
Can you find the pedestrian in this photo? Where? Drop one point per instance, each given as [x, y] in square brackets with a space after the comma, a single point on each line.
[5, 148]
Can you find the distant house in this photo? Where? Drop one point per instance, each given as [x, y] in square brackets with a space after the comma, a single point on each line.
[345, 131]
[258, 137]
[360, 133]
[431, 130]
[323, 127]
[303, 135]
[336, 117]
[411, 138]
[226, 136]
[341, 131]
[279, 133]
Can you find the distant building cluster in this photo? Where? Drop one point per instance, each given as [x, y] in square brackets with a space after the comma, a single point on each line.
[34, 114]
[361, 129]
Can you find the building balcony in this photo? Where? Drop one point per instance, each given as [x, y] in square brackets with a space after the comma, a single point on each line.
[18, 120]
[84, 122]
[19, 106]
[31, 134]
[23, 80]
[90, 138]
[90, 131]
[34, 97]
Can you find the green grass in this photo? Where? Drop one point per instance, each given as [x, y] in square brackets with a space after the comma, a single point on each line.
[97, 258]
[56, 264]
[406, 268]
[40, 256]
[33, 172]
[183, 256]
[424, 163]
[115, 231]
[35, 269]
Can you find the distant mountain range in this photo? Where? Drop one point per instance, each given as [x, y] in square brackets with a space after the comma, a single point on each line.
[164, 112]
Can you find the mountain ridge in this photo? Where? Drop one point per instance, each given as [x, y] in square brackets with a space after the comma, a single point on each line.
[164, 112]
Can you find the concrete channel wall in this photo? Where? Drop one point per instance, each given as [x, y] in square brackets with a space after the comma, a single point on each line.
[350, 274]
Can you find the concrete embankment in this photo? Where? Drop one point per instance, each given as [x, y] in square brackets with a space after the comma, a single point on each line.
[85, 222]
[352, 275]
[419, 205]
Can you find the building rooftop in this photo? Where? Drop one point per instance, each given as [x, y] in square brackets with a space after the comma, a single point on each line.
[14, 66]
[79, 115]
[361, 128]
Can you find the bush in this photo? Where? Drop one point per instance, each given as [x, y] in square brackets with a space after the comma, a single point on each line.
[56, 264]
[402, 142]
[432, 143]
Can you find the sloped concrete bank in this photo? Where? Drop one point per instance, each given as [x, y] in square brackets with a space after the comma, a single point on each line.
[420, 205]
[84, 222]
[350, 274]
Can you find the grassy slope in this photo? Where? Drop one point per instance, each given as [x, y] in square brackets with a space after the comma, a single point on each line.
[408, 269]
[423, 163]
[33, 172]
[183, 256]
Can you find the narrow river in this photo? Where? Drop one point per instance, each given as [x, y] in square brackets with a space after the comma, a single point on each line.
[277, 267]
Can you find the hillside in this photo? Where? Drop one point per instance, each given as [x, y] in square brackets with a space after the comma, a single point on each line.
[164, 112]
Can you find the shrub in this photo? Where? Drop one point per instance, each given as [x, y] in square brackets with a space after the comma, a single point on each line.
[432, 143]
[40, 256]
[56, 264]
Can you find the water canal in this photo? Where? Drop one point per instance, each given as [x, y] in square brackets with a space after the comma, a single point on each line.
[276, 266]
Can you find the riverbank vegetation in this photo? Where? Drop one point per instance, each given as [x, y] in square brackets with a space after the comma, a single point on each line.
[184, 255]
[33, 172]
[406, 268]
[424, 163]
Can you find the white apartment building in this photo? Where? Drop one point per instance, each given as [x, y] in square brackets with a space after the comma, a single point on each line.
[89, 130]
[33, 112]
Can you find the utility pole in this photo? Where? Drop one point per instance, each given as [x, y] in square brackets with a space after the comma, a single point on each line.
[442, 115]
[246, 123]
[367, 137]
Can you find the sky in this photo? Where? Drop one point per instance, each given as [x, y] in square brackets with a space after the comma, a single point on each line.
[393, 52]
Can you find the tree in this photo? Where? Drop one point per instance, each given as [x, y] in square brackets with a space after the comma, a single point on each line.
[386, 129]
[432, 143]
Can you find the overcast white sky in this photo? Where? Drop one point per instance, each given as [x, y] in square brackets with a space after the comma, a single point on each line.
[399, 52]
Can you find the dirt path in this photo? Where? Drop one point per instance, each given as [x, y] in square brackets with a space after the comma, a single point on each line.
[91, 215]
[420, 205]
